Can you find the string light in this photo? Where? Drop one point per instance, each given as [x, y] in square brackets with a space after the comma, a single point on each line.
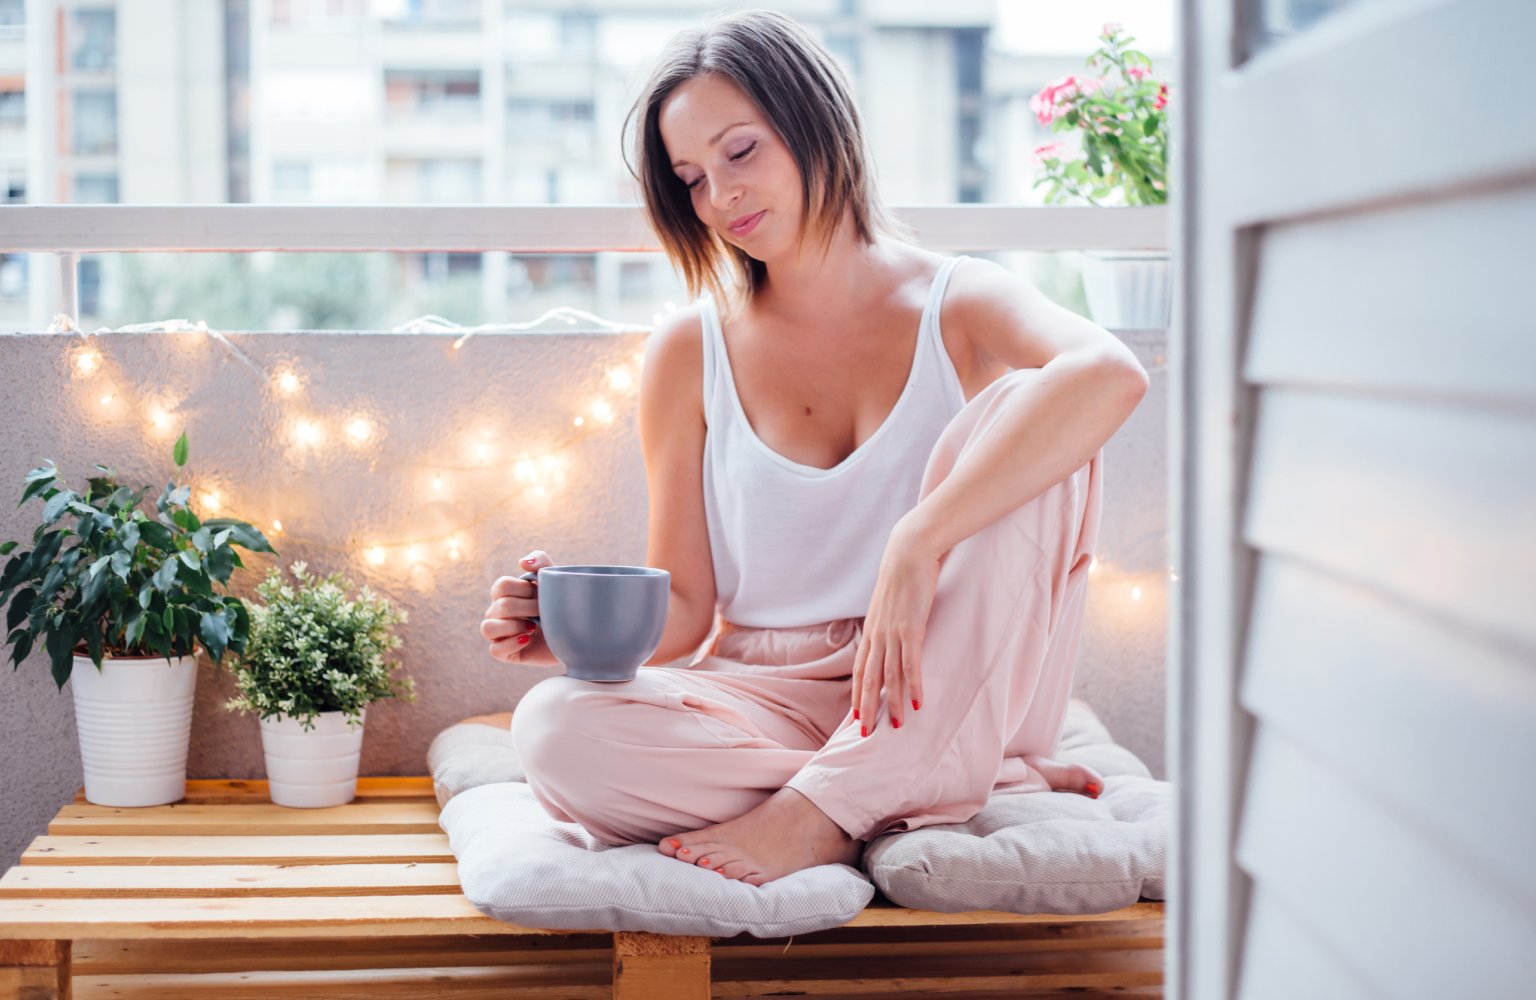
[213, 501]
[86, 363]
[288, 382]
[360, 430]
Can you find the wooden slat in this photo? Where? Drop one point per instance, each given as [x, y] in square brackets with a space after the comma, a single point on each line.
[202, 819]
[148, 881]
[127, 957]
[253, 917]
[1359, 680]
[587, 982]
[1284, 959]
[210, 791]
[1386, 323]
[896, 916]
[1414, 918]
[381, 848]
[1429, 504]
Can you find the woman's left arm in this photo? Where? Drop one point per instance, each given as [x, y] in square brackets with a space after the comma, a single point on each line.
[1086, 385]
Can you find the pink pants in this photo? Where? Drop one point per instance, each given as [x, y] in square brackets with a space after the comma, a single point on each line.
[677, 749]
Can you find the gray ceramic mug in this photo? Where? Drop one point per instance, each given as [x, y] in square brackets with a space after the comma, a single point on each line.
[602, 622]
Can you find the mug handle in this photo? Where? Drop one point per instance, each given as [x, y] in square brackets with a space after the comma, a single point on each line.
[532, 577]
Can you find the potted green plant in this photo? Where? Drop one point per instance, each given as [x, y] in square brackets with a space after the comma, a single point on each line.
[111, 596]
[314, 663]
[1120, 120]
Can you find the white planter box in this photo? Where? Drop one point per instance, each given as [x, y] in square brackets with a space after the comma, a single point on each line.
[135, 720]
[1129, 289]
[314, 768]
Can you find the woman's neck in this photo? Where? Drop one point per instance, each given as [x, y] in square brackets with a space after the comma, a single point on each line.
[847, 277]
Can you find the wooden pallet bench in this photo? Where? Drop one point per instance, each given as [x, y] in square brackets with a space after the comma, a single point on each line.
[224, 895]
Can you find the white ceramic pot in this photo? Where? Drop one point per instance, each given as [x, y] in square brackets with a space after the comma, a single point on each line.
[135, 721]
[1129, 289]
[314, 768]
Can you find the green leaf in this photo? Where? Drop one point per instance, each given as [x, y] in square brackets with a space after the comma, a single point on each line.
[23, 647]
[180, 452]
[215, 632]
[43, 472]
[60, 643]
[146, 595]
[134, 633]
[191, 559]
[54, 509]
[122, 561]
[34, 488]
[158, 535]
[244, 534]
[201, 538]
[128, 538]
[5, 549]
[166, 575]
[19, 607]
[185, 519]
[221, 563]
[168, 619]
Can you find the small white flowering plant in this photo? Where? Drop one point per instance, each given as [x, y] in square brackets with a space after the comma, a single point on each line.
[313, 649]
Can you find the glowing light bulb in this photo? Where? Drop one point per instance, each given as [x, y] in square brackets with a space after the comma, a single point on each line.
[288, 382]
[437, 483]
[410, 553]
[601, 411]
[481, 452]
[1174, 577]
[308, 432]
[277, 526]
[538, 491]
[360, 430]
[579, 421]
[86, 362]
[159, 418]
[620, 379]
[212, 501]
[1136, 593]
[105, 400]
[376, 555]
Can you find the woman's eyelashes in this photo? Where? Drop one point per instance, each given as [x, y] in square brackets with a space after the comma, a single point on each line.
[734, 157]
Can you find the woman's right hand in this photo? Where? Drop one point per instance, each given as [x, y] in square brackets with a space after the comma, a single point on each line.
[513, 638]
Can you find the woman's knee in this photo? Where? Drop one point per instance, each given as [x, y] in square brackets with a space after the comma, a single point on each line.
[546, 718]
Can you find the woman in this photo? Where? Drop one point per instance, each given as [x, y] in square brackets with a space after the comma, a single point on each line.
[873, 471]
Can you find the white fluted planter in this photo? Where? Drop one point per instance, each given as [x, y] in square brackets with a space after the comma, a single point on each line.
[1129, 289]
[314, 768]
[135, 721]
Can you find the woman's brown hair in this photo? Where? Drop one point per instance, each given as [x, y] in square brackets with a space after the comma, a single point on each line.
[805, 96]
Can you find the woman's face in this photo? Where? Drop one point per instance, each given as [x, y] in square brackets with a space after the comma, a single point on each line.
[743, 180]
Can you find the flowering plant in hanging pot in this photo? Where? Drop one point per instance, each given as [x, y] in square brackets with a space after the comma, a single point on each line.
[1118, 118]
[314, 663]
[111, 597]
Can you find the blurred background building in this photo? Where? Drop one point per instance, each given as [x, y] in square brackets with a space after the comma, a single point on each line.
[456, 102]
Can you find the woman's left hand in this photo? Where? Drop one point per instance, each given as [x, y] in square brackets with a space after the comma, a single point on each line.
[890, 650]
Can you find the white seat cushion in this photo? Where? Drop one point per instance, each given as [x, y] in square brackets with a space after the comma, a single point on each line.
[1040, 852]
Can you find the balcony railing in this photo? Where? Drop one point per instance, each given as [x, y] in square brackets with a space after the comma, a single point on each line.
[71, 230]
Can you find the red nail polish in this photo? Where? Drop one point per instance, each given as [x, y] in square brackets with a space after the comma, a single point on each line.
[683, 851]
[915, 705]
[522, 640]
[855, 713]
[864, 730]
[896, 723]
[675, 842]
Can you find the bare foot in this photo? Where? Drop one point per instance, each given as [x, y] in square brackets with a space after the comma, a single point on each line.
[1068, 777]
[780, 836]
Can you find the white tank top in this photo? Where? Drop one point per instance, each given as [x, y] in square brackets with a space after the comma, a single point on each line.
[798, 545]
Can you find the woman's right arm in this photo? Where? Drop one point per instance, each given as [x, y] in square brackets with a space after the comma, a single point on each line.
[671, 421]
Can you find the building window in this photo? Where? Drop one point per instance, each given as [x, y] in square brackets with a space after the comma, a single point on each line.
[93, 39]
[96, 189]
[410, 93]
[95, 122]
[13, 107]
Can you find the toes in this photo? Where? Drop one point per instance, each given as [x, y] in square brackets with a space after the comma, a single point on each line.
[736, 870]
[710, 855]
[669, 846]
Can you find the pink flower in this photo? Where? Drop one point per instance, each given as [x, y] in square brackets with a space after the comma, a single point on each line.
[1136, 72]
[1044, 103]
[1162, 98]
[1110, 28]
[1049, 151]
